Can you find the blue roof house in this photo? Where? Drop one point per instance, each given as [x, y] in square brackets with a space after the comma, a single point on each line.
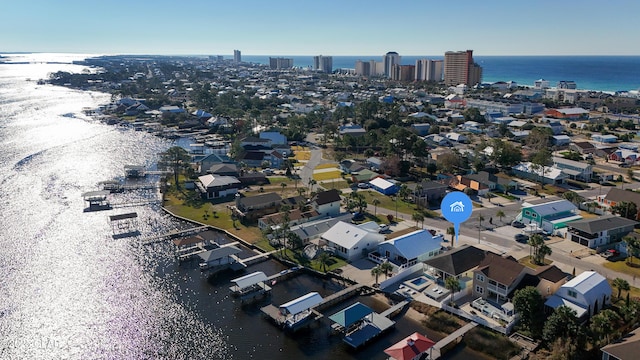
[383, 186]
[407, 250]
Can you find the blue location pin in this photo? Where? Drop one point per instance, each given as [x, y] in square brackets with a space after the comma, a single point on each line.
[456, 207]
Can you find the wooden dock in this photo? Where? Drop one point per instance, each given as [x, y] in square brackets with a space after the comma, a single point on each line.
[456, 337]
[174, 234]
[339, 296]
[261, 256]
[390, 311]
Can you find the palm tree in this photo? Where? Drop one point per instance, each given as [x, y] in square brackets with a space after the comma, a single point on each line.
[311, 183]
[500, 214]
[323, 260]
[451, 231]
[417, 194]
[283, 185]
[375, 203]
[376, 271]
[386, 268]
[480, 220]
[404, 191]
[453, 285]
[417, 217]
[620, 284]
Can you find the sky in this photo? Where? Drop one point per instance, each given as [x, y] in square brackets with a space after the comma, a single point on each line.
[329, 27]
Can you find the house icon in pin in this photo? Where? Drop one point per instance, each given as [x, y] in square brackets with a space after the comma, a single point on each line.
[457, 207]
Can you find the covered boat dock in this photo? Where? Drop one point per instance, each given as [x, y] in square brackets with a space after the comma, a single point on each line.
[295, 313]
[250, 285]
[360, 324]
[221, 258]
[97, 200]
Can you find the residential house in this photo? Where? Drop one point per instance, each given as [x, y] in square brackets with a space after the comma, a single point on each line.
[363, 176]
[555, 126]
[583, 147]
[437, 140]
[600, 231]
[496, 277]
[254, 207]
[296, 216]
[276, 159]
[574, 169]
[352, 130]
[224, 169]
[383, 186]
[560, 140]
[549, 216]
[431, 191]
[252, 178]
[624, 155]
[215, 187]
[275, 137]
[374, 163]
[407, 250]
[209, 160]
[550, 278]
[421, 129]
[314, 229]
[607, 139]
[327, 203]
[547, 174]
[462, 182]
[493, 182]
[456, 137]
[459, 263]
[350, 241]
[255, 142]
[626, 348]
[255, 158]
[586, 294]
[568, 113]
[472, 127]
[615, 196]
[350, 166]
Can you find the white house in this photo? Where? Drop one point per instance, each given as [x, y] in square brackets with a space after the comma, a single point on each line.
[351, 241]
[600, 231]
[327, 202]
[214, 187]
[587, 294]
[408, 250]
[457, 137]
[604, 138]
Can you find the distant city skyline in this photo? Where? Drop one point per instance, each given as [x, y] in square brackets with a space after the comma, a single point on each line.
[337, 28]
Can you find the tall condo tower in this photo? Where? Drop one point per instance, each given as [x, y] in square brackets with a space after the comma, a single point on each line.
[388, 61]
[237, 56]
[429, 70]
[323, 63]
[459, 68]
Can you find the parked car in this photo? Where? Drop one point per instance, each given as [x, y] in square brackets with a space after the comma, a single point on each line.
[267, 172]
[363, 185]
[521, 238]
[624, 165]
[357, 216]
[383, 228]
[517, 224]
[611, 253]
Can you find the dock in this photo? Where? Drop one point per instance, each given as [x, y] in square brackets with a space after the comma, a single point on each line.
[250, 286]
[261, 256]
[360, 324]
[174, 234]
[456, 337]
[390, 311]
[341, 295]
[296, 313]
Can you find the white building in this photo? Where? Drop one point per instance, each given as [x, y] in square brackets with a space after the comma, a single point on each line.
[587, 294]
[352, 242]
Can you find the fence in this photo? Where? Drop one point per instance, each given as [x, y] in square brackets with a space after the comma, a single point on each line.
[506, 329]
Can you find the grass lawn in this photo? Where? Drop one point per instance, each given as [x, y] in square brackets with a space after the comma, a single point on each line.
[623, 267]
[299, 148]
[195, 210]
[526, 261]
[277, 180]
[302, 155]
[296, 256]
[327, 175]
[326, 166]
[338, 184]
[386, 202]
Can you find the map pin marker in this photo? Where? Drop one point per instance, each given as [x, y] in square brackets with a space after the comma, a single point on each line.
[456, 207]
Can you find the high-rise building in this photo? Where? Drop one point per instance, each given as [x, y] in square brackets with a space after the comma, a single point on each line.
[403, 72]
[459, 68]
[237, 56]
[323, 63]
[429, 70]
[280, 63]
[388, 60]
[363, 68]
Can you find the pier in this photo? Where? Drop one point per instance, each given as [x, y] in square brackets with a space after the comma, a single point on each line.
[360, 324]
[97, 200]
[397, 307]
[456, 337]
[124, 225]
[340, 296]
[262, 256]
[250, 286]
[174, 234]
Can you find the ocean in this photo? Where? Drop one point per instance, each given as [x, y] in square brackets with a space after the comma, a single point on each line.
[600, 73]
[70, 290]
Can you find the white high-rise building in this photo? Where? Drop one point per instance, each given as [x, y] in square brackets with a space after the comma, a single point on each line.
[323, 63]
[388, 61]
[237, 56]
[429, 70]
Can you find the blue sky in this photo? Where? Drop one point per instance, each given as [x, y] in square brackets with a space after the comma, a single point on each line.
[302, 27]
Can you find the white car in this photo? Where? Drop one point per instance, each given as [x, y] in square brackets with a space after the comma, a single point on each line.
[383, 228]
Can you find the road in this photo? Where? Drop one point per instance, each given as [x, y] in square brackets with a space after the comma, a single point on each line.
[306, 171]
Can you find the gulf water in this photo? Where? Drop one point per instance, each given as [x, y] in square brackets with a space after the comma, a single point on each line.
[69, 290]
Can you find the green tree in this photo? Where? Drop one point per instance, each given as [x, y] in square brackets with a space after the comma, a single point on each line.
[323, 260]
[453, 285]
[375, 202]
[541, 160]
[574, 197]
[376, 271]
[627, 209]
[540, 249]
[283, 185]
[620, 284]
[529, 304]
[418, 217]
[563, 323]
[431, 168]
[386, 268]
[603, 324]
[175, 159]
[633, 246]
[500, 214]
[451, 231]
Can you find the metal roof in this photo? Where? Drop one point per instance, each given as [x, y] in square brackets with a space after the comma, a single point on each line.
[250, 279]
[301, 304]
[219, 253]
[351, 314]
[553, 207]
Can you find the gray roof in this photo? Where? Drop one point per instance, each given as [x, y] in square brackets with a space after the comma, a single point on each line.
[579, 165]
[219, 253]
[314, 229]
[215, 181]
[223, 168]
[458, 261]
[602, 223]
[553, 207]
[260, 199]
